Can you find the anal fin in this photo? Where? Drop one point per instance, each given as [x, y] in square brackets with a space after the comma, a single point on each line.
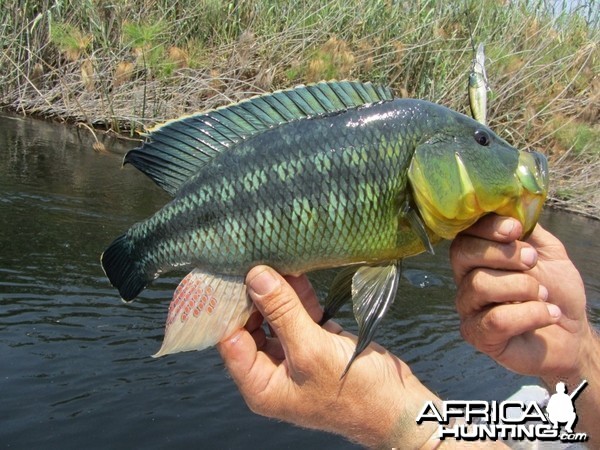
[205, 309]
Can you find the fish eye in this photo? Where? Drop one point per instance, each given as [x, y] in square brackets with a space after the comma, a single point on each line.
[482, 137]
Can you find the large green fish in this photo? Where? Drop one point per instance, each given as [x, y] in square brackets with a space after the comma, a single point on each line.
[327, 175]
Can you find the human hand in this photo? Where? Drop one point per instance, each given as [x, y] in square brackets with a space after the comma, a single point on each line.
[522, 303]
[295, 376]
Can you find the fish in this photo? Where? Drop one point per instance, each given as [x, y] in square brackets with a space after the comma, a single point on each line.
[332, 174]
[478, 86]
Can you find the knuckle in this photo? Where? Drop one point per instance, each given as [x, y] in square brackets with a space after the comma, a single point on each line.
[493, 322]
[462, 302]
[484, 332]
[455, 248]
[457, 255]
[471, 293]
[466, 331]
[475, 334]
[477, 282]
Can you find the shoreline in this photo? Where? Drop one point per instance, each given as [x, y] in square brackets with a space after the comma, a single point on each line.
[102, 136]
[106, 66]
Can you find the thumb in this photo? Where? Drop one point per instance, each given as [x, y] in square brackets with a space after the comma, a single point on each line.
[280, 306]
[547, 244]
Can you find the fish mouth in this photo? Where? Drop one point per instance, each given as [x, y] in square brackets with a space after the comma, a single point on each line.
[522, 199]
[532, 176]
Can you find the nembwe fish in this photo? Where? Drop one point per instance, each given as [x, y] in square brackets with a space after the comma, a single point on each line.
[326, 175]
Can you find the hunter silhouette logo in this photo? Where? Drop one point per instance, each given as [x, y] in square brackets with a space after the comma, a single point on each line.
[512, 419]
[560, 407]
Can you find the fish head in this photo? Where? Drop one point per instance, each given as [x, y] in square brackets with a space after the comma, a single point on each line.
[464, 171]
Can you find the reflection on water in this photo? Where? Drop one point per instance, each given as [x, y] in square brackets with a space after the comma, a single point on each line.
[76, 369]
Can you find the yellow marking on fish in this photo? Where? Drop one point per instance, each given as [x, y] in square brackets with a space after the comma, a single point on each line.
[469, 204]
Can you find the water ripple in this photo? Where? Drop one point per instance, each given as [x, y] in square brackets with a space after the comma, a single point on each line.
[76, 364]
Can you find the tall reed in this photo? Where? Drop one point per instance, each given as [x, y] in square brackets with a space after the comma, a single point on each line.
[125, 65]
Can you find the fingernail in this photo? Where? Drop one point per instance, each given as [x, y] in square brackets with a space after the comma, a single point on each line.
[263, 283]
[542, 293]
[528, 256]
[506, 226]
[235, 338]
[553, 310]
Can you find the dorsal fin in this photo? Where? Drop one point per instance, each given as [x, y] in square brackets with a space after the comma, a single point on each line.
[176, 149]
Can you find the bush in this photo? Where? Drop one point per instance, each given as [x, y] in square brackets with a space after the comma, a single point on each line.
[127, 65]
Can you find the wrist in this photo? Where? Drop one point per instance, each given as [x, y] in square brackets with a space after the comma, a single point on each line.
[587, 366]
[405, 433]
[435, 443]
[587, 403]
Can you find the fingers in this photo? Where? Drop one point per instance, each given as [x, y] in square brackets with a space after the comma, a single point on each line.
[239, 353]
[484, 245]
[482, 288]
[252, 370]
[492, 330]
[307, 295]
[254, 322]
[496, 228]
[468, 253]
[290, 308]
[547, 244]
[281, 307]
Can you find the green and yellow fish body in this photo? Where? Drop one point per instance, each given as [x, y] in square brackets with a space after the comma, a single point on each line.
[327, 175]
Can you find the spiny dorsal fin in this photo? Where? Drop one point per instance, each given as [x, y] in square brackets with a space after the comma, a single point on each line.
[176, 149]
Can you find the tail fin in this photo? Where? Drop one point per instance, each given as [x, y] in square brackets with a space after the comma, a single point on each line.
[123, 272]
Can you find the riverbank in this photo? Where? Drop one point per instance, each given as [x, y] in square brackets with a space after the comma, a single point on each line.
[126, 66]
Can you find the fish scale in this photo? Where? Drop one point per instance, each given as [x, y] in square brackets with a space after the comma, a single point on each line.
[256, 183]
[326, 175]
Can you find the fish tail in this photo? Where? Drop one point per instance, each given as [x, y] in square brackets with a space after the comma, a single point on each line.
[123, 271]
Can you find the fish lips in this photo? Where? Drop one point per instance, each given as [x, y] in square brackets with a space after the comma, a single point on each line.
[532, 181]
[532, 173]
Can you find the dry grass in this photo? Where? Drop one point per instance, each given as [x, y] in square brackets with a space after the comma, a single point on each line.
[126, 67]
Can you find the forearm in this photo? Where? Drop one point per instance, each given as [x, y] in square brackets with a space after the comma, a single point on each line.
[587, 403]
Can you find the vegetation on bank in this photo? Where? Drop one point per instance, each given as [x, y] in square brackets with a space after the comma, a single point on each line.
[125, 65]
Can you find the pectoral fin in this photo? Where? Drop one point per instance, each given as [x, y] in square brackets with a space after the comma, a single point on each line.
[373, 291]
[417, 225]
[205, 309]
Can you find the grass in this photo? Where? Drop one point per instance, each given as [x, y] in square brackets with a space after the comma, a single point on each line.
[124, 66]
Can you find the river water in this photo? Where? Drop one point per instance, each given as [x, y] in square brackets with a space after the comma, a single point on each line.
[75, 365]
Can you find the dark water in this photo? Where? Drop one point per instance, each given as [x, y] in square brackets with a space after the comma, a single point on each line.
[75, 369]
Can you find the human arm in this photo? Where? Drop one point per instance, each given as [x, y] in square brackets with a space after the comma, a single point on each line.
[296, 376]
[523, 304]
